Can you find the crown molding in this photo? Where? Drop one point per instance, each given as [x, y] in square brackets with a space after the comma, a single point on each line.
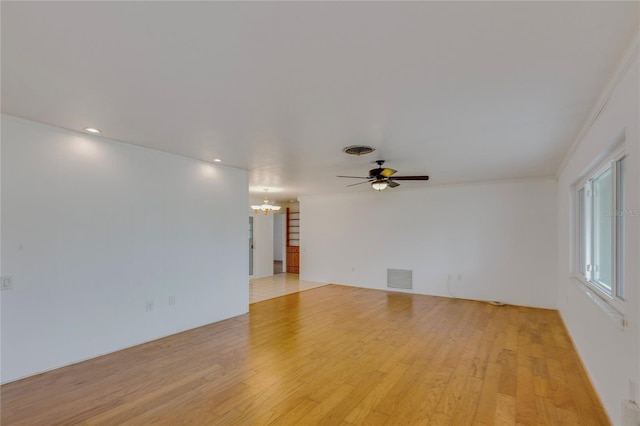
[630, 55]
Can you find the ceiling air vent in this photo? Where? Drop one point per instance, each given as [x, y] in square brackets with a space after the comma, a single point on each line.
[358, 150]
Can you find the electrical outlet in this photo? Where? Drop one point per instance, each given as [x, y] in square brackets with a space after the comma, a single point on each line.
[7, 283]
[149, 306]
[172, 300]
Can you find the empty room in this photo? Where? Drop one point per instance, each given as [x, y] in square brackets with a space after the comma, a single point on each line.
[300, 213]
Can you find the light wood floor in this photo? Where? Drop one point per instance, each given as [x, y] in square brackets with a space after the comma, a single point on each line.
[278, 285]
[331, 355]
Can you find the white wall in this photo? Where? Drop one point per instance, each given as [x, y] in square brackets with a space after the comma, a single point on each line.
[262, 245]
[1, 270]
[279, 235]
[498, 237]
[611, 354]
[93, 229]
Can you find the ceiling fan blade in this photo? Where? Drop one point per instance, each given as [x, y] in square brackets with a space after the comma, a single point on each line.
[411, 177]
[353, 177]
[382, 175]
[388, 172]
[359, 183]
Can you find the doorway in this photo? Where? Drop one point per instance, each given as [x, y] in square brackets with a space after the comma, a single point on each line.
[293, 241]
[250, 245]
[279, 243]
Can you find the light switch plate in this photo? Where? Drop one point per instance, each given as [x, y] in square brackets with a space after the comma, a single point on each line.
[7, 283]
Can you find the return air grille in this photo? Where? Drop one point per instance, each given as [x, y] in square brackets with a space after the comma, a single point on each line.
[358, 150]
[400, 278]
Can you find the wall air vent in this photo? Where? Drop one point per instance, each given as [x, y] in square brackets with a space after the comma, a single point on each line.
[358, 150]
[400, 278]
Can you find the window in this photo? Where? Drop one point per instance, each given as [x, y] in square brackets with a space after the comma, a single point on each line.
[600, 223]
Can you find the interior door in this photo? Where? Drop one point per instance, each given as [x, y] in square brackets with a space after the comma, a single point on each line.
[250, 245]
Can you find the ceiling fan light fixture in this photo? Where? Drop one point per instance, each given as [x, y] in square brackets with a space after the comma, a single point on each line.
[379, 184]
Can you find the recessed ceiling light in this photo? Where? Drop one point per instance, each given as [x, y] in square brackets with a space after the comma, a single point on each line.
[92, 130]
[217, 160]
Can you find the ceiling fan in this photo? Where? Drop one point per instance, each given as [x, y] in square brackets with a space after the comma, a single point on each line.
[382, 177]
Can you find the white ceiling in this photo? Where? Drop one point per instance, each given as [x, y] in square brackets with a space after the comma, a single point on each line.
[462, 91]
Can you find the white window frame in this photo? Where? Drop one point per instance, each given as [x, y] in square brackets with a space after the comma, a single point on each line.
[614, 296]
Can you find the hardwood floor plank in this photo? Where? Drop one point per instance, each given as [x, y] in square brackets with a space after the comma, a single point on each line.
[567, 417]
[562, 394]
[505, 410]
[327, 404]
[546, 412]
[466, 411]
[330, 355]
[525, 397]
[376, 418]
[508, 375]
[512, 337]
[440, 419]
[361, 411]
[541, 384]
[489, 395]
[454, 391]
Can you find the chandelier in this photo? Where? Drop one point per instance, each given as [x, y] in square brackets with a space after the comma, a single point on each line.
[265, 207]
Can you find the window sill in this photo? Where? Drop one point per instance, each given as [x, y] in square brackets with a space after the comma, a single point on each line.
[609, 310]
